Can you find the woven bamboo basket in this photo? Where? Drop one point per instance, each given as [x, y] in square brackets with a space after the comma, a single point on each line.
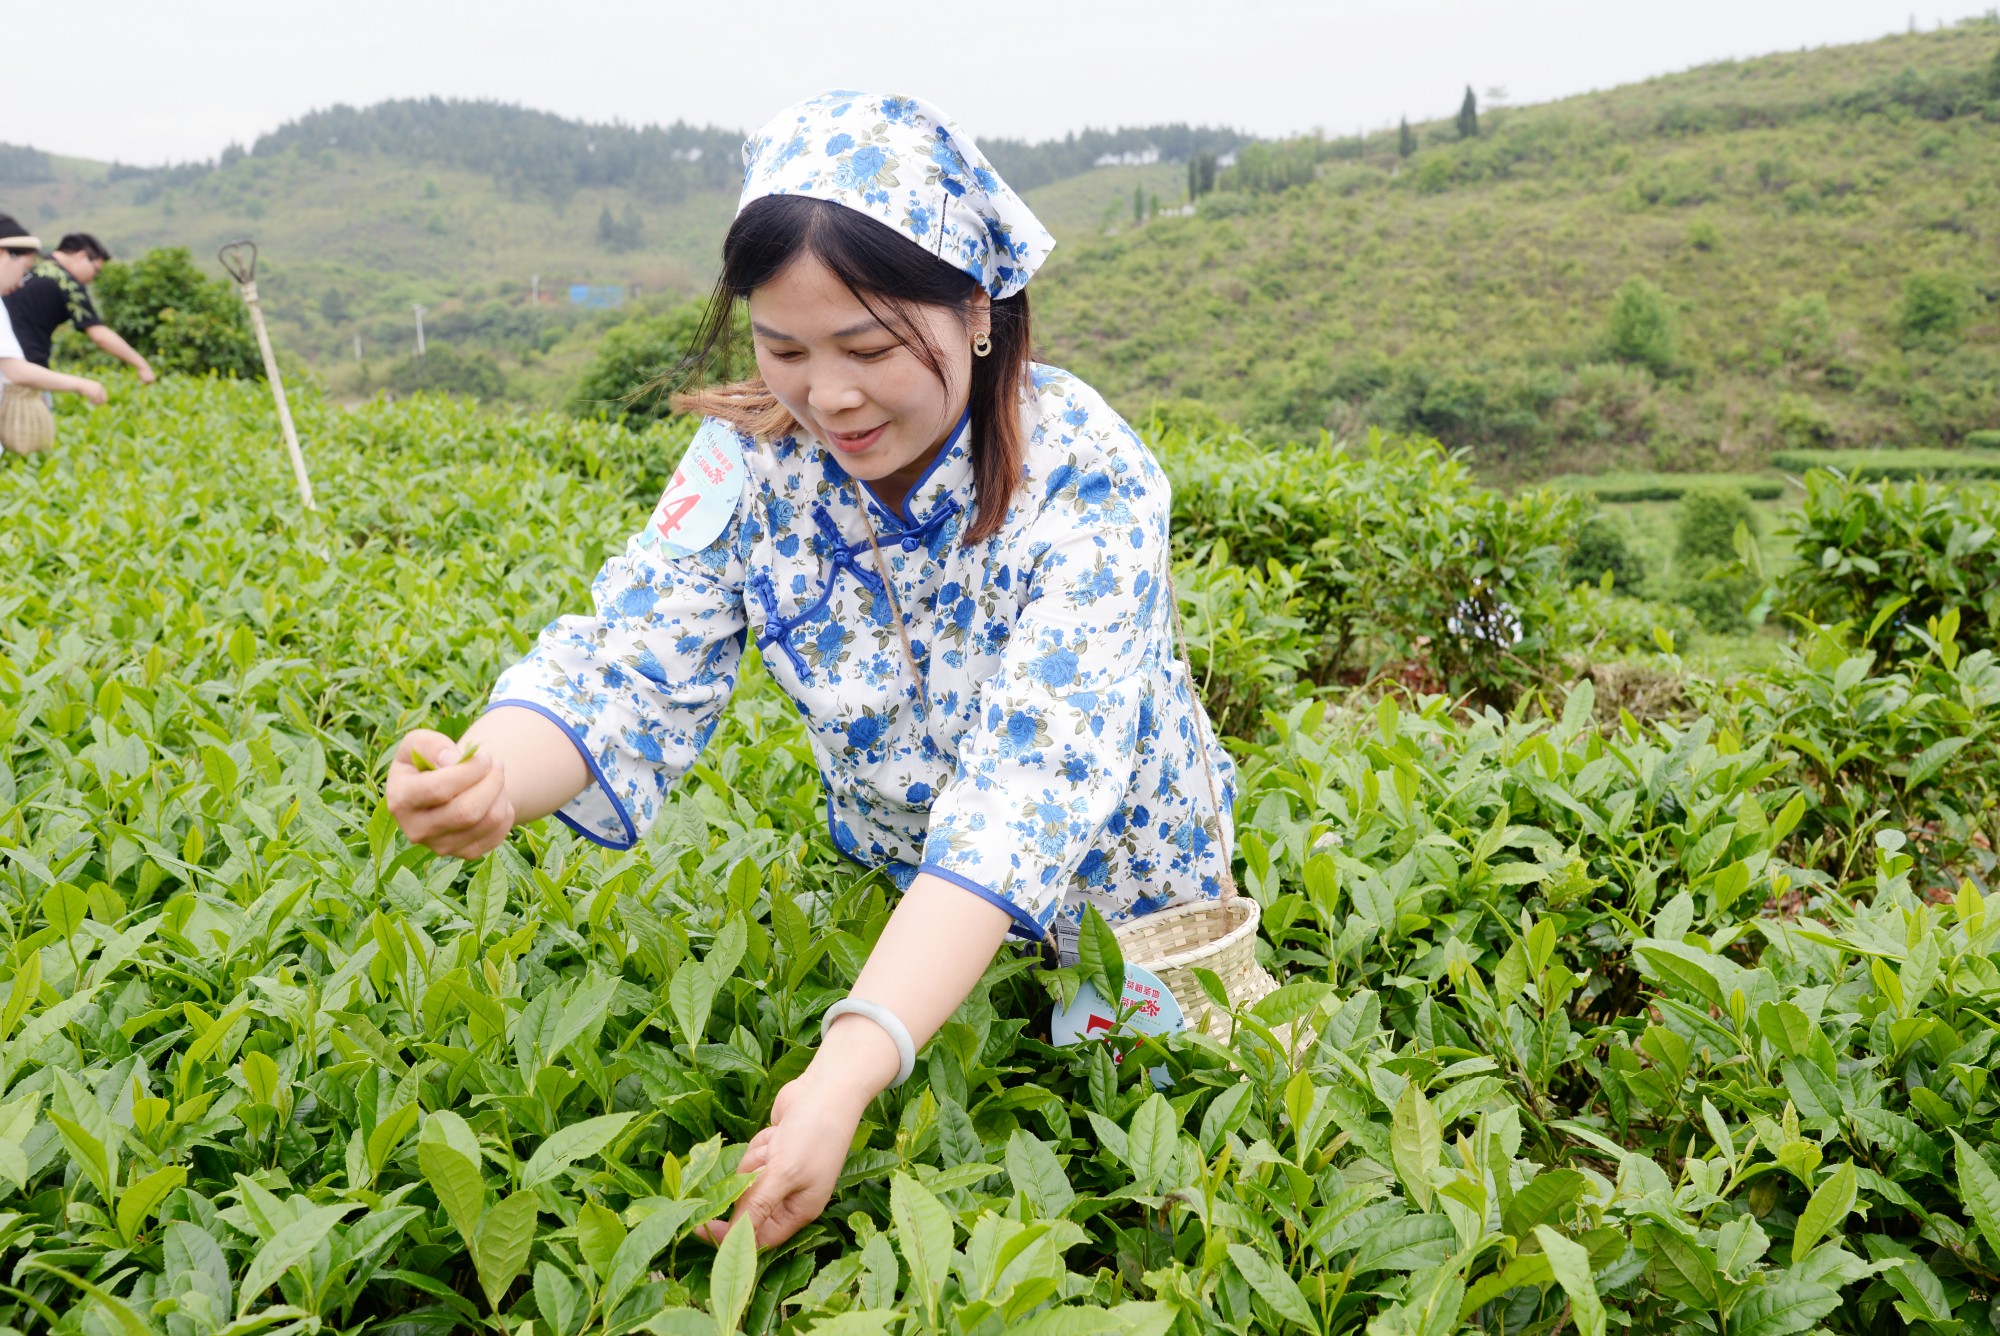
[26, 425]
[1218, 935]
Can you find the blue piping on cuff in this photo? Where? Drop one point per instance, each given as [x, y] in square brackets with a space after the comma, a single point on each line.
[1025, 925]
[597, 775]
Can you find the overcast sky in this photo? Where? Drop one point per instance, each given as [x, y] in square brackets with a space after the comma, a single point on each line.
[172, 80]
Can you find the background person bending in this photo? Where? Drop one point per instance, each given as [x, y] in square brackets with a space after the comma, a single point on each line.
[58, 289]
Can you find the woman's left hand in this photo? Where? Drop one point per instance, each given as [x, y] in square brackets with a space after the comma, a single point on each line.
[798, 1158]
[926, 961]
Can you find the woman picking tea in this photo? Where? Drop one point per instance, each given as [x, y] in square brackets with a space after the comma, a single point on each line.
[953, 559]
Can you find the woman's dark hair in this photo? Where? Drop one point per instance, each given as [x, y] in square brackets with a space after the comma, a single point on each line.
[891, 276]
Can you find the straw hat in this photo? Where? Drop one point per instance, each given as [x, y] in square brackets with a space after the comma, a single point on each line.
[13, 236]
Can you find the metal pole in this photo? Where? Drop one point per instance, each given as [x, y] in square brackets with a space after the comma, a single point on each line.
[278, 392]
[239, 260]
[420, 331]
[357, 347]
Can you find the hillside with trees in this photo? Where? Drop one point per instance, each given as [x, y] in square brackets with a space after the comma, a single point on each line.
[1699, 271]
[473, 210]
[1693, 272]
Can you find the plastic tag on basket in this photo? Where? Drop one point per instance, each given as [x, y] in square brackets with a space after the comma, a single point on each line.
[1155, 1011]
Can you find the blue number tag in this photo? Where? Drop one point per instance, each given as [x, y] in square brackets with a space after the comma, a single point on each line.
[1158, 1013]
[702, 496]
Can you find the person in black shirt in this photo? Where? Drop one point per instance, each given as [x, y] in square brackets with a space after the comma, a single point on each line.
[26, 425]
[57, 291]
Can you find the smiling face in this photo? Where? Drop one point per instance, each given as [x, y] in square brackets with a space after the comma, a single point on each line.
[845, 377]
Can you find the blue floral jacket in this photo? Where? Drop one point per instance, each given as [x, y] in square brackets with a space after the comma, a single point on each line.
[1048, 759]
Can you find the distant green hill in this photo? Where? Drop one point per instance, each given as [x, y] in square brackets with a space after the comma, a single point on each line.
[1812, 233]
[460, 206]
[1824, 226]
[352, 240]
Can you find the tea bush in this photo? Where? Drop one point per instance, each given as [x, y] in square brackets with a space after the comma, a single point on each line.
[1909, 745]
[1600, 551]
[1397, 553]
[1602, 623]
[445, 369]
[1642, 327]
[1898, 465]
[1629, 486]
[1587, 1025]
[1247, 643]
[1708, 577]
[625, 375]
[178, 317]
[1888, 558]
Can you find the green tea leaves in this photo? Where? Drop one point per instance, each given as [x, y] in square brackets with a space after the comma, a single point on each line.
[1981, 1187]
[1826, 1212]
[1034, 1170]
[925, 1233]
[1152, 1141]
[500, 1250]
[1569, 1262]
[448, 1153]
[287, 1248]
[579, 1141]
[734, 1277]
[1683, 999]
[1415, 1143]
[145, 1197]
[1100, 959]
[1273, 1285]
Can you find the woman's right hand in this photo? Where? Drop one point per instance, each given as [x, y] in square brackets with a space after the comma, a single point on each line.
[94, 391]
[461, 811]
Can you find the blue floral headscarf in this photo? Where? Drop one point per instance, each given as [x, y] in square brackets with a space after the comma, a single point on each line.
[903, 162]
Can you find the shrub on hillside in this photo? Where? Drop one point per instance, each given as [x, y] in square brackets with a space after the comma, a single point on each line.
[1802, 331]
[444, 369]
[1935, 307]
[1720, 598]
[1642, 327]
[180, 319]
[1601, 550]
[1888, 558]
[632, 375]
[1708, 577]
[1623, 487]
[1600, 623]
[1896, 465]
[1705, 524]
[1803, 424]
[1185, 417]
[1513, 415]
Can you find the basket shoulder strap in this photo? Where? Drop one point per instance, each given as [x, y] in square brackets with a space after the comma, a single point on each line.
[1202, 739]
